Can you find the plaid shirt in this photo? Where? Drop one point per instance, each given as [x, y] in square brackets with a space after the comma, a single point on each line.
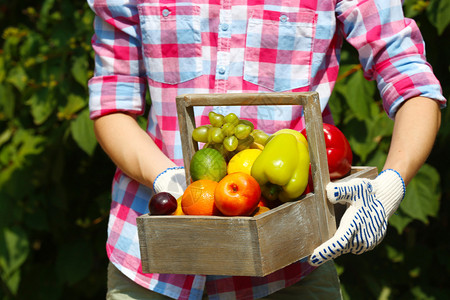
[236, 46]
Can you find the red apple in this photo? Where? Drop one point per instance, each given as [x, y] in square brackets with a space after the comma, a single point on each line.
[237, 194]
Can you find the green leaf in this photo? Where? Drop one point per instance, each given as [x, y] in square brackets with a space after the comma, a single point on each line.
[377, 159]
[18, 77]
[394, 254]
[360, 139]
[400, 220]
[44, 16]
[438, 13]
[142, 121]
[5, 136]
[337, 107]
[74, 104]
[2, 68]
[12, 281]
[382, 126]
[16, 154]
[423, 195]
[30, 45]
[74, 261]
[83, 132]
[43, 103]
[358, 93]
[80, 70]
[412, 8]
[7, 101]
[14, 249]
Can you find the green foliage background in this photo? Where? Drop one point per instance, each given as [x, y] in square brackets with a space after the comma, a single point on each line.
[55, 180]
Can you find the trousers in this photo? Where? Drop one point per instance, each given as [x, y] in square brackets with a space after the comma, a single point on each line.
[321, 284]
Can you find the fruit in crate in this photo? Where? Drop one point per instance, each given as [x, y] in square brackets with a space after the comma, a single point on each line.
[162, 203]
[198, 198]
[229, 134]
[260, 210]
[208, 163]
[179, 210]
[243, 161]
[237, 194]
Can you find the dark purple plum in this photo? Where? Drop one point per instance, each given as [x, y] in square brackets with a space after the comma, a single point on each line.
[162, 203]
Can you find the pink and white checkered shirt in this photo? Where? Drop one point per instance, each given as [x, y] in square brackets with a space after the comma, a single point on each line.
[236, 46]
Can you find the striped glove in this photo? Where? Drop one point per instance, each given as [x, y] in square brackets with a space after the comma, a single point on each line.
[364, 223]
[172, 180]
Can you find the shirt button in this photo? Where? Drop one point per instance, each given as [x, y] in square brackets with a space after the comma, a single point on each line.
[165, 12]
[225, 27]
[283, 18]
[222, 70]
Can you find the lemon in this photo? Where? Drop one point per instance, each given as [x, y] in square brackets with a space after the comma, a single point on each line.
[243, 161]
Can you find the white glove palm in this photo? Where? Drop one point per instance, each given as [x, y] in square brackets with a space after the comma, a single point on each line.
[364, 223]
[172, 181]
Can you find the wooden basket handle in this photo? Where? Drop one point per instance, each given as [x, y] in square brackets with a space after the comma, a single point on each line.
[314, 129]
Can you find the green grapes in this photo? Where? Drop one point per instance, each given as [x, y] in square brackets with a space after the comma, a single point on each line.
[241, 131]
[215, 119]
[230, 143]
[228, 134]
[200, 134]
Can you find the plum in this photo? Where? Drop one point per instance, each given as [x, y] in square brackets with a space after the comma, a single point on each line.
[162, 203]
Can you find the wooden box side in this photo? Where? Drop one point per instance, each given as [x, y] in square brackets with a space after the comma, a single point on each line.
[199, 245]
[240, 246]
[294, 227]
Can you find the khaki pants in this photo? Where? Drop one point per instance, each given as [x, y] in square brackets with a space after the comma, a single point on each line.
[322, 283]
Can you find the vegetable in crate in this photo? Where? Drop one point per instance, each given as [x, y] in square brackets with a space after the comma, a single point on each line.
[339, 153]
[282, 168]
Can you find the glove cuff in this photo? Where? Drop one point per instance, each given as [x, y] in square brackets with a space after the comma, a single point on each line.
[171, 180]
[392, 192]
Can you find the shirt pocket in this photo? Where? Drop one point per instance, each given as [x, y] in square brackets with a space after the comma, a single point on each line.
[171, 41]
[279, 49]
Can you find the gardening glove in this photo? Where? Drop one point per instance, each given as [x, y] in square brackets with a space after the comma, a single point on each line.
[364, 223]
[172, 181]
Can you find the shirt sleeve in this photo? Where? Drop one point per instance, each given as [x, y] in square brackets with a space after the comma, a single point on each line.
[391, 50]
[119, 82]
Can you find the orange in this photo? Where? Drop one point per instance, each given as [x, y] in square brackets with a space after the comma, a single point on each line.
[260, 210]
[179, 210]
[198, 198]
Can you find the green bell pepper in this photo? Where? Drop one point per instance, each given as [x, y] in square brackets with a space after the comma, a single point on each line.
[282, 168]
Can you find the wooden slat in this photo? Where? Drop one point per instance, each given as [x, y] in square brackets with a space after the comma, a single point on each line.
[243, 246]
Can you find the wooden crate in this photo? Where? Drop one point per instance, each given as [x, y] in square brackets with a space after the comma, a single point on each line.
[244, 246]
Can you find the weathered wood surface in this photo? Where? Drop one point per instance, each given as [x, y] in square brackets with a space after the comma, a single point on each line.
[314, 129]
[246, 246]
